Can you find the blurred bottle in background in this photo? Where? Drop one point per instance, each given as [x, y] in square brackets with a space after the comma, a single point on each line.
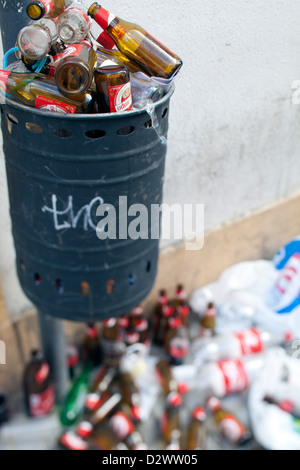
[231, 428]
[197, 433]
[38, 387]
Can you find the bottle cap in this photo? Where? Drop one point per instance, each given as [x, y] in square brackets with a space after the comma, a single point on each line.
[174, 399]
[199, 414]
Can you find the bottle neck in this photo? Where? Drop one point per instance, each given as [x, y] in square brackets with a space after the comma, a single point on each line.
[103, 17]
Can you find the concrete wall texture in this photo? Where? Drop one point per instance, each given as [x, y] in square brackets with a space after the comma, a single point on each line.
[234, 132]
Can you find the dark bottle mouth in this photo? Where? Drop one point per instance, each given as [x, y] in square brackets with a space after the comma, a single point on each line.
[35, 10]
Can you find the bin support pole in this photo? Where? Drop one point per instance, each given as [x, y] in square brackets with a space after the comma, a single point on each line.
[53, 346]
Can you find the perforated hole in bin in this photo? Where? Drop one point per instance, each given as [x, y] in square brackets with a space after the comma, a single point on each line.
[62, 133]
[12, 118]
[148, 124]
[95, 134]
[131, 279]
[32, 127]
[59, 286]
[148, 267]
[110, 286]
[165, 112]
[37, 279]
[127, 130]
[85, 289]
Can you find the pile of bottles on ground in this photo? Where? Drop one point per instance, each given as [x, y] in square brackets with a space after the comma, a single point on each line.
[103, 409]
[63, 67]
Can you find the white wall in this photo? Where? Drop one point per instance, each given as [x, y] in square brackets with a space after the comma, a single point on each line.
[234, 133]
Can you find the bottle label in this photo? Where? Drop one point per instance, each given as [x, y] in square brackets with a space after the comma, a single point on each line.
[121, 425]
[73, 50]
[132, 337]
[43, 373]
[73, 442]
[85, 429]
[92, 332]
[49, 104]
[92, 401]
[4, 74]
[104, 18]
[43, 403]
[120, 98]
[49, 6]
[250, 342]
[232, 429]
[234, 375]
[179, 348]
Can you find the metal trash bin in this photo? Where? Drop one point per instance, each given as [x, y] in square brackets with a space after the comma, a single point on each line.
[60, 168]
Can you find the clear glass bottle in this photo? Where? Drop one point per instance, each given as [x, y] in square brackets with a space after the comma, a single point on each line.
[73, 25]
[34, 41]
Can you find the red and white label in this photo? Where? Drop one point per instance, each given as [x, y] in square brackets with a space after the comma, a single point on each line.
[232, 429]
[92, 332]
[120, 98]
[250, 342]
[234, 375]
[121, 425]
[73, 442]
[179, 348]
[92, 401]
[55, 106]
[132, 337]
[4, 74]
[85, 429]
[43, 373]
[43, 403]
[104, 18]
[73, 50]
[105, 40]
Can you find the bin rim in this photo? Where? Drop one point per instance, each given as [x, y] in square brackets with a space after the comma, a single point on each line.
[88, 117]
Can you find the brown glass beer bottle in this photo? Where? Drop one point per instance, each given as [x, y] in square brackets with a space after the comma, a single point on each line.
[113, 88]
[138, 45]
